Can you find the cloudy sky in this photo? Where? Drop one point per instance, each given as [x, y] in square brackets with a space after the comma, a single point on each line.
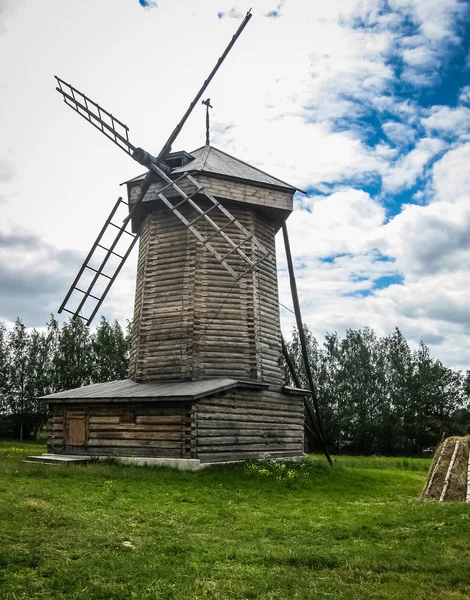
[363, 104]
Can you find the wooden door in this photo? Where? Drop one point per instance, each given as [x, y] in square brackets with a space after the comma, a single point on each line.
[75, 428]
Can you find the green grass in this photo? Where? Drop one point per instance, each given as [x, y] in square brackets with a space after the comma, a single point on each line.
[353, 532]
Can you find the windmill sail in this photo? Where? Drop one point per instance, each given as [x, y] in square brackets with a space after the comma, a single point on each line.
[113, 128]
[118, 133]
[194, 200]
[101, 267]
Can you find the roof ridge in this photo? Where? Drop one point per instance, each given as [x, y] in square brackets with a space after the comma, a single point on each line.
[246, 164]
[205, 155]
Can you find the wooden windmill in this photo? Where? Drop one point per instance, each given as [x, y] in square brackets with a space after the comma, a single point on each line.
[205, 381]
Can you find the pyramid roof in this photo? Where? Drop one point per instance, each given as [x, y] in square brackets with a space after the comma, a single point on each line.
[213, 161]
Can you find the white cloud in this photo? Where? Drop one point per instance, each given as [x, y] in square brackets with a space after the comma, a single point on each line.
[451, 175]
[399, 133]
[420, 56]
[336, 224]
[444, 119]
[300, 96]
[435, 18]
[408, 168]
[464, 96]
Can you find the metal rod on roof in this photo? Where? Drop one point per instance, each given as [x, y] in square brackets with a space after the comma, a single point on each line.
[208, 105]
[303, 342]
[167, 147]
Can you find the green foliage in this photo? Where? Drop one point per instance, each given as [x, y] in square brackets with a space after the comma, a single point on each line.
[110, 348]
[280, 470]
[35, 363]
[377, 396]
[351, 532]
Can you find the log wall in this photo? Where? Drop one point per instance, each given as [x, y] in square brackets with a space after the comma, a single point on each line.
[192, 319]
[124, 429]
[243, 424]
[234, 425]
[226, 189]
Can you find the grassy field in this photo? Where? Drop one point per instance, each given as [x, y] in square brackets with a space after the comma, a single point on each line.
[356, 531]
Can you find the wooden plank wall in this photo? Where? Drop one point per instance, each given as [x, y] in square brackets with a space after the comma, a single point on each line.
[163, 316]
[127, 429]
[225, 327]
[192, 319]
[266, 301]
[247, 193]
[55, 428]
[228, 189]
[245, 423]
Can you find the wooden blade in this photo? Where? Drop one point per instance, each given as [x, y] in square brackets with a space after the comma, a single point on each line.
[95, 114]
[98, 264]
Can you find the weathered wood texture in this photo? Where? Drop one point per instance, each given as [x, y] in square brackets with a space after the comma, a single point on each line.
[225, 189]
[192, 319]
[244, 424]
[232, 425]
[121, 430]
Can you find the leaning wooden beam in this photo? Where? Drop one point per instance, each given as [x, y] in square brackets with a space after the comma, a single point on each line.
[449, 471]
[303, 342]
[436, 467]
[467, 499]
[296, 380]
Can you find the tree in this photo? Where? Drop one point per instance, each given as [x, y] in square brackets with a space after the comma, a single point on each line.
[377, 396]
[398, 417]
[17, 399]
[72, 361]
[110, 352]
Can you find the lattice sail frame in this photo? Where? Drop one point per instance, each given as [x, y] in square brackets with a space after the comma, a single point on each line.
[121, 233]
[104, 121]
[118, 133]
[191, 200]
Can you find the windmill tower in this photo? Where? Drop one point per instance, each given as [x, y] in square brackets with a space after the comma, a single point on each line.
[205, 381]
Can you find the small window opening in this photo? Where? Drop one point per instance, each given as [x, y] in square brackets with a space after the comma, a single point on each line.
[128, 415]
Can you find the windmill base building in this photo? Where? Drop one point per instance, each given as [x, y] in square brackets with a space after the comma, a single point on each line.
[206, 382]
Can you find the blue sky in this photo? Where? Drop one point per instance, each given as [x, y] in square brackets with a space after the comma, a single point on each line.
[365, 105]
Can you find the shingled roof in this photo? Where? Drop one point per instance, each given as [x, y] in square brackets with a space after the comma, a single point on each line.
[130, 390]
[150, 390]
[213, 161]
[208, 159]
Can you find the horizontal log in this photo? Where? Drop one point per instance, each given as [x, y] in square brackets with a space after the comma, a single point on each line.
[129, 451]
[240, 418]
[239, 440]
[130, 427]
[296, 406]
[262, 429]
[157, 419]
[240, 411]
[56, 427]
[135, 435]
[255, 447]
[210, 427]
[139, 443]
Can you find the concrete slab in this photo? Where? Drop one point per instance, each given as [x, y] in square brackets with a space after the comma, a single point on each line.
[57, 459]
[182, 464]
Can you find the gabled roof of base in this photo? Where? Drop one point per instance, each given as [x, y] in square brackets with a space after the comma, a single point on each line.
[151, 390]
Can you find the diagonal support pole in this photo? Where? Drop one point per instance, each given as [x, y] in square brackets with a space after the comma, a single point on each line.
[296, 380]
[303, 342]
